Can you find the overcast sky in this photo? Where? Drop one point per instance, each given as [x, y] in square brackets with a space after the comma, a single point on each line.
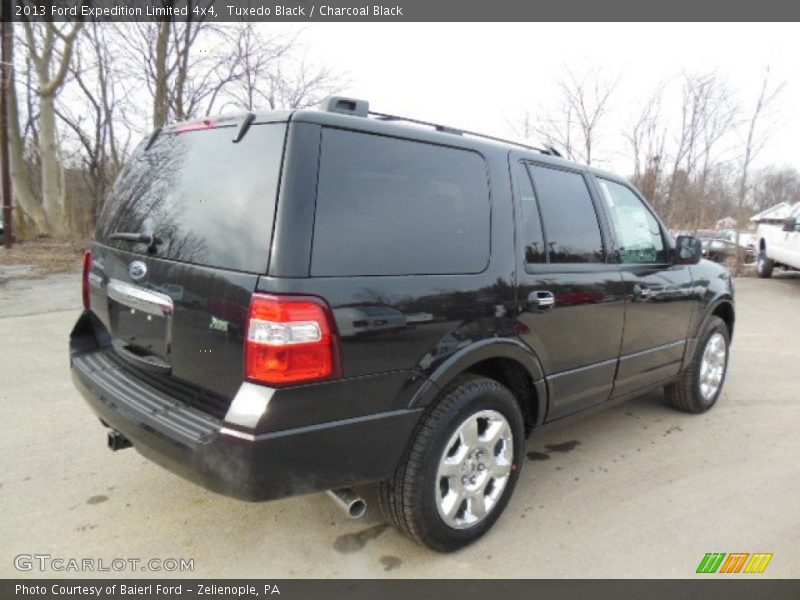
[483, 76]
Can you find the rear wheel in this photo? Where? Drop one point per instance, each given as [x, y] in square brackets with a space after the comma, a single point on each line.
[764, 265]
[700, 385]
[460, 468]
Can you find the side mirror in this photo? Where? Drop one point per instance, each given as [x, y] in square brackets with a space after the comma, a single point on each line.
[688, 250]
[790, 224]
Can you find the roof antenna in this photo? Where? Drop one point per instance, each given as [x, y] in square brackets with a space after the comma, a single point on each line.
[551, 150]
[248, 120]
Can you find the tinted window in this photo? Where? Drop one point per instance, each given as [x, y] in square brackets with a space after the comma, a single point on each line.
[531, 223]
[211, 201]
[637, 231]
[394, 207]
[571, 230]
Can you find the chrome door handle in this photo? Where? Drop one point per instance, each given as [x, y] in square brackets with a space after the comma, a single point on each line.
[540, 300]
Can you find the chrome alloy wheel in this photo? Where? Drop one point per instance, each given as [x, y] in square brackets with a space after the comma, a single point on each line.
[474, 469]
[712, 365]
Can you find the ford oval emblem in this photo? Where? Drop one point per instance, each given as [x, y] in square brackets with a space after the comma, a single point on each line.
[137, 269]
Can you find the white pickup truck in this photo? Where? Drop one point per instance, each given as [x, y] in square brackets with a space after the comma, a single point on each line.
[778, 238]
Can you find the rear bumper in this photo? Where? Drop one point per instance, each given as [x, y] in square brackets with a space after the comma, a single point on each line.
[228, 460]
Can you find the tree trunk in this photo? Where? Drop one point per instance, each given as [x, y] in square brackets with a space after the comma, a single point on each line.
[52, 196]
[742, 195]
[160, 100]
[701, 193]
[26, 201]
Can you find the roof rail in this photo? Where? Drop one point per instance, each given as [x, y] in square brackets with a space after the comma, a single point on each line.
[360, 108]
[454, 131]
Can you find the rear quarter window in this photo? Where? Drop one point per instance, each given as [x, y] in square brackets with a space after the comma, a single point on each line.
[387, 206]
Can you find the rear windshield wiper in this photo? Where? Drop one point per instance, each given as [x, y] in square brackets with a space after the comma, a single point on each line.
[152, 139]
[141, 238]
[246, 122]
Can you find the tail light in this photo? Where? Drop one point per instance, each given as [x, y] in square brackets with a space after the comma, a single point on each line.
[290, 339]
[87, 267]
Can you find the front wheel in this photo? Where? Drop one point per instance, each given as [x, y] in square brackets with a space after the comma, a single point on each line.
[699, 387]
[460, 468]
[764, 265]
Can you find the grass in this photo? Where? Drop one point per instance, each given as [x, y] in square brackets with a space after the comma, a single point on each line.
[39, 258]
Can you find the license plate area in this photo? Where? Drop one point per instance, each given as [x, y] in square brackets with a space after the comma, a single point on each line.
[141, 319]
[140, 330]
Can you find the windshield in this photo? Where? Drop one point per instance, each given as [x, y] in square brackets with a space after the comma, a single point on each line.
[210, 201]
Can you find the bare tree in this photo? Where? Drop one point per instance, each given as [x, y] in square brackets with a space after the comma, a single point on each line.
[754, 143]
[258, 58]
[123, 77]
[718, 116]
[155, 63]
[276, 74]
[91, 114]
[162, 52]
[573, 126]
[28, 207]
[196, 68]
[547, 129]
[683, 157]
[772, 186]
[647, 141]
[298, 84]
[707, 114]
[50, 49]
[177, 75]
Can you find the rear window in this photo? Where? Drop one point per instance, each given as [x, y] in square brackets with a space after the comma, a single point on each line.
[211, 201]
[387, 206]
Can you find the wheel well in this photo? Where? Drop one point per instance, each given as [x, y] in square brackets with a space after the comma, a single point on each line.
[725, 312]
[517, 379]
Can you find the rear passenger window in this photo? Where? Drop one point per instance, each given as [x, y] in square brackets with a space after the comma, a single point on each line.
[387, 206]
[571, 229]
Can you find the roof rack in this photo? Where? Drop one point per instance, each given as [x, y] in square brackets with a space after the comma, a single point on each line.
[360, 108]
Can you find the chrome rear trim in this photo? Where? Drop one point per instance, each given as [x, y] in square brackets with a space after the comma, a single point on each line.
[148, 301]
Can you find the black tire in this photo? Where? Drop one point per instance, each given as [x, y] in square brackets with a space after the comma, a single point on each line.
[409, 499]
[685, 394]
[764, 265]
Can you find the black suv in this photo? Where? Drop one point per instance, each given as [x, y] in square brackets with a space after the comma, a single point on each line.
[287, 302]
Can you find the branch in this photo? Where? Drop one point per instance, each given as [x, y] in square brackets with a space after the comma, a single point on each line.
[49, 88]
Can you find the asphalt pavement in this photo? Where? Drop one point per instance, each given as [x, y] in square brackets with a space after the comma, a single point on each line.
[637, 491]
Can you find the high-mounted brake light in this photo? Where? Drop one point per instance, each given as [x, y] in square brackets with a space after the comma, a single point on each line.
[87, 268]
[196, 126]
[290, 339]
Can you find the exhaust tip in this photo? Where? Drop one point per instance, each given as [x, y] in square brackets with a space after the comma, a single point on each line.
[117, 441]
[358, 508]
[352, 504]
